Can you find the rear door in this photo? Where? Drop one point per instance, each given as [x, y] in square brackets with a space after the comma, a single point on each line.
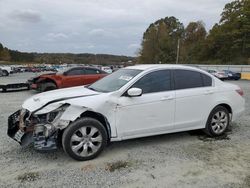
[92, 75]
[194, 95]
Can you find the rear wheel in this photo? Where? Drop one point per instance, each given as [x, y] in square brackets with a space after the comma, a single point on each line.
[84, 139]
[48, 86]
[218, 121]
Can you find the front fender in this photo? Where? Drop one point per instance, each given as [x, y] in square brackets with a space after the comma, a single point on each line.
[49, 108]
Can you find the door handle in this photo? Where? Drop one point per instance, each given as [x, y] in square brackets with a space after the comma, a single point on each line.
[209, 92]
[167, 98]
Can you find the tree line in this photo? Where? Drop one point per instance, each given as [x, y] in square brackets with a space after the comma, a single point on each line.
[228, 42]
[7, 55]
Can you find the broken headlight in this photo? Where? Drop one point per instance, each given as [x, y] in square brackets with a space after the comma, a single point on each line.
[46, 123]
[51, 116]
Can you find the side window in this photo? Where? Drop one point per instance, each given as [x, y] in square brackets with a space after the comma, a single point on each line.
[207, 80]
[185, 79]
[155, 82]
[74, 72]
[92, 71]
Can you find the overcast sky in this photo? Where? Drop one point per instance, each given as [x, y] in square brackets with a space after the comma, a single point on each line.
[94, 26]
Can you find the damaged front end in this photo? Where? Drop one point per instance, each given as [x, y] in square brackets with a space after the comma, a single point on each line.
[40, 129]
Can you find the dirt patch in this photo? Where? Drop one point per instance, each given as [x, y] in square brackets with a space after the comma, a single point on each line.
[203, 137]
[117, 165]
[28, 177]
[192, 173]
[246, 182]
[88, 168]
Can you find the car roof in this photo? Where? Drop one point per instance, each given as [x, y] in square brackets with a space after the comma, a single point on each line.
[144, 67]
[82, 67]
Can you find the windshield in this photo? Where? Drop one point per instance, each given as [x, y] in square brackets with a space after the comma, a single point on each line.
[114, 81]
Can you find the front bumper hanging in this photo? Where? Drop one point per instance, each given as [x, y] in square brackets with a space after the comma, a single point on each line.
[26, 135]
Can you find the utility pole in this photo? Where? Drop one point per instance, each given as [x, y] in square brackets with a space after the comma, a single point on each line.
[178, 51]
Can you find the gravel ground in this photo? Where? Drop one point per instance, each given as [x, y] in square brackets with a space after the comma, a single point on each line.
[188, 159]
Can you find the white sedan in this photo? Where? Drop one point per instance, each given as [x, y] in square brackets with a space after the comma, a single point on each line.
[133, 102]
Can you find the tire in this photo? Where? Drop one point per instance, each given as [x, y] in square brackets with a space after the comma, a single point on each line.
[5, 73]
[47, 86]
[77, 139]
[218, 122]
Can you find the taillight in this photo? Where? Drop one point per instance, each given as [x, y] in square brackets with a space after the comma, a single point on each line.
[240, 92]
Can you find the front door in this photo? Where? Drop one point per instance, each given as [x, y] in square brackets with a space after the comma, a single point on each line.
[152, 112]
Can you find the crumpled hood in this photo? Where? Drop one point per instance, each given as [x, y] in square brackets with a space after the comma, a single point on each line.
[37, 101]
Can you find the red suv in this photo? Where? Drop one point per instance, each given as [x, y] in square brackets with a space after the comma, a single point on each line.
[76, 76]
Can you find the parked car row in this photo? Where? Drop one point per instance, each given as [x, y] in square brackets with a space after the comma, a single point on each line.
[6, 70]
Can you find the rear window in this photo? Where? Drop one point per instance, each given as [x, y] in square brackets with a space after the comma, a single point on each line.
[75, 72]
[92, 71]
[185, 79]
[207, 80]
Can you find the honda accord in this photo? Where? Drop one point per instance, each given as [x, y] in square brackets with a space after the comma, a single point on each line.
[133, 102]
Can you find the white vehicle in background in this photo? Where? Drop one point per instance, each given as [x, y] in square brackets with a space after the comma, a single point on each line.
[107, 69]
[6, 70]
[218, 74]
[133, 102]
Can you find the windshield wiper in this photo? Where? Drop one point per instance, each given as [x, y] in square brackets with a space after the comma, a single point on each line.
[102, 91]
[91, 88]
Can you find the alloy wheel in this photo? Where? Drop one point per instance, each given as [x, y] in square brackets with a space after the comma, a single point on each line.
[219, 122]
[86, 141]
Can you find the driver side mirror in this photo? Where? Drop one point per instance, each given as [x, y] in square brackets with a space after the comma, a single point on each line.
[134, 92]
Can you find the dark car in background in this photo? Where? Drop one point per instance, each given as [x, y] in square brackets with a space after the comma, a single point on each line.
[232, 75]
[76, 76]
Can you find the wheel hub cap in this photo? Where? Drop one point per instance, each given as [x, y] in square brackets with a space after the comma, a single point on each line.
[219, 122]
[86, 141]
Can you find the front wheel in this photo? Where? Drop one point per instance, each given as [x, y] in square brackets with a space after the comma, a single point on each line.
[5, 73]
[47, 86]
[84, 139]
[218, 121]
